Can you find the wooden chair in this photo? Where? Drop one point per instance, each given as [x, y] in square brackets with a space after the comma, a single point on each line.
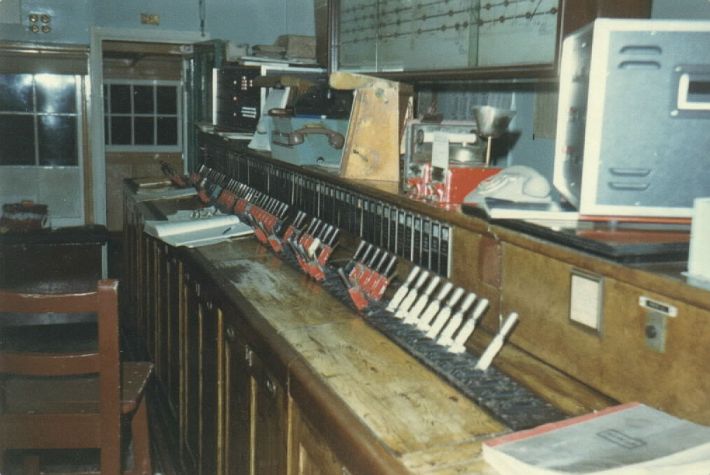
[55, 403]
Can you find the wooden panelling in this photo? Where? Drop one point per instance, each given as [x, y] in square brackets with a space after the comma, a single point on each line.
[308, 455]
[675, 380]
[238, 400]
[616, 361]
[476, 265]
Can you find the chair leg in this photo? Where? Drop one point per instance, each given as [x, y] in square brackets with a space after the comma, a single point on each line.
[141, 440]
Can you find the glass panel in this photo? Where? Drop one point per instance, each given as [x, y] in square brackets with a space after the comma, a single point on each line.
[56, 93]
[120, 130]
[144, 131]
[167, 100]
[57, 140]
[120, 99]
[17, 140]
[402, 35]
[358, 29]
[167, 131]
[143, 100]
[107, 137]
[16, 93]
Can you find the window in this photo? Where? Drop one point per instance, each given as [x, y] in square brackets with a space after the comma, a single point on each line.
[38, 119]
[142, 116]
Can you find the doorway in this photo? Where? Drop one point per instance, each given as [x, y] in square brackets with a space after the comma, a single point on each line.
[137, 110]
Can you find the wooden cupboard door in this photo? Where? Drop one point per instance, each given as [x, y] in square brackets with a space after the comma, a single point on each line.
[309, 454]
[270, 422]
[132, 235]
[209, 385]
[239, 403]
[192, 349]
[175, 297]
[162, 327]
[152, 314]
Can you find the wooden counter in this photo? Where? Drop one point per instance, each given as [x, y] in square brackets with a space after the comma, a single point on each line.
[531, 273]
[373, 405]
[342, 396]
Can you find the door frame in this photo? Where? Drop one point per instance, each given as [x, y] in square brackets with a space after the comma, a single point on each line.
[96, 103]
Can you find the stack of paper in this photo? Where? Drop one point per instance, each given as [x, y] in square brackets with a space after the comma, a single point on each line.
[627, 439]
[197, 232]
[145, 194]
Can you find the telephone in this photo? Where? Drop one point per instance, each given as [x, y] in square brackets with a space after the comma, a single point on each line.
[518, 183]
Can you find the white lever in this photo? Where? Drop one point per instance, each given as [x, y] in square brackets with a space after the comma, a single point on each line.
[496, 344]
[413, 313]
[444, 314]
[433, 308]
[468, 327]
[445, 339]
[411, 296]
[402, 290]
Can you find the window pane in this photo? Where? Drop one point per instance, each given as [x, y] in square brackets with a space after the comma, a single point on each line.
[120, 130]
[55, 93]
[120, 99]
[17, 140]
[16, 92]
[167, 131]
[144, 130]
[143, 99]
[167, 100]
[57, 140]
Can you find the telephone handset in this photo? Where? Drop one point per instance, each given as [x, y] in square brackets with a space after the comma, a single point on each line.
[517, 183]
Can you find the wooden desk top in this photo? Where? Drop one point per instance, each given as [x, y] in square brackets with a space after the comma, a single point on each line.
[389, 397]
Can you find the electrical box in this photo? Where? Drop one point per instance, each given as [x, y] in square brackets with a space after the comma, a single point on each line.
[633, 117]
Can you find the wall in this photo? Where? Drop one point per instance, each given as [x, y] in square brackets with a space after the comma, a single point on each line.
[679, 9]
[241, 21]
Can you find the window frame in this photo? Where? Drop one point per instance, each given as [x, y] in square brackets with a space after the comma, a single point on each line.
[143, 148]
[35, 113]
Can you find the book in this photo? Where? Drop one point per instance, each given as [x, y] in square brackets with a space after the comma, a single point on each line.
[627, 439]
[197, 232]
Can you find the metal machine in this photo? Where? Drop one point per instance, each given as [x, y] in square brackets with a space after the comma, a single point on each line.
[633, 118]
[238, 99]
[443, 161]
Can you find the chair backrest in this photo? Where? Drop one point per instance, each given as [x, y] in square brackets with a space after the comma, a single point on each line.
[103, 361]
